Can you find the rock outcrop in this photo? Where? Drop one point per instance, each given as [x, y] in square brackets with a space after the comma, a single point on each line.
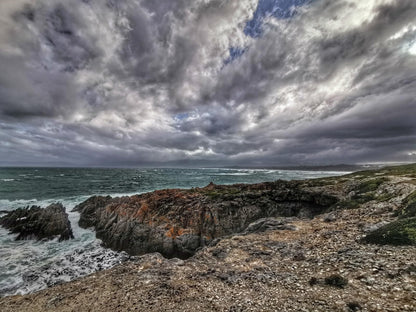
[39, 223]
[177, 222]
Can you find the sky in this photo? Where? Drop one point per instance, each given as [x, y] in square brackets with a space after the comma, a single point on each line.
[207, 82]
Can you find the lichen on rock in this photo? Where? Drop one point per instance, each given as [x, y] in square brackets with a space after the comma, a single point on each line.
[177, 222]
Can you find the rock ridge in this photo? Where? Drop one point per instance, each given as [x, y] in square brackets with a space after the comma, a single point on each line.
[176, 222]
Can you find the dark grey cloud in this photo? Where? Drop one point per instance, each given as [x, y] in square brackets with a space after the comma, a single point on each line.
[134, 82]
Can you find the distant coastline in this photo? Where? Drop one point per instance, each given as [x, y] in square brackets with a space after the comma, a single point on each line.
[340, 167]
[336, 167]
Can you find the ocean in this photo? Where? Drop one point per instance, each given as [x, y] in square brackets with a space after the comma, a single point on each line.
[27, 266]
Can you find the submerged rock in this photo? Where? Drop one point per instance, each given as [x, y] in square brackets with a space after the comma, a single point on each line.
[39, 223]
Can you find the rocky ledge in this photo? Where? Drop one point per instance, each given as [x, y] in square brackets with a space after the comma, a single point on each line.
[39, 223]
[341, 244]
[178, 222]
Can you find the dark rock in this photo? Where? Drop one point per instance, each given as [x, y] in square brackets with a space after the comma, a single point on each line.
[354, 306]
[336, 280]
[88, 208]
[214, 242]
[39, 223]
[313, 281]
[220, 253]
[299, 256]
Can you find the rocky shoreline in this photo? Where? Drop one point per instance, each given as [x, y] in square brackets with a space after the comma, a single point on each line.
[332, 244]
[177, 222]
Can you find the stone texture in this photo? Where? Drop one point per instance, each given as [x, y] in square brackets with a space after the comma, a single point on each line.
[178, 222]
[39, 223]
[269, 224]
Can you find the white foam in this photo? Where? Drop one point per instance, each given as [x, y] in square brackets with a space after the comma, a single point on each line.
[6, 204]
[234, 174]
[65, 267]
[30, 265]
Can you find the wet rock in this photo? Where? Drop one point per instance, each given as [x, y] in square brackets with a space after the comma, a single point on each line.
[39, 223]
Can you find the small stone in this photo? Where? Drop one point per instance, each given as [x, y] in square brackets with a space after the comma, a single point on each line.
[336, 280]
[370, 280]
[354, 306]
[299, 256]
[313, 281]
[330, 217]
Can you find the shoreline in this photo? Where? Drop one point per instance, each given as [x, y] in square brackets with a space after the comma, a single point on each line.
[264, 270]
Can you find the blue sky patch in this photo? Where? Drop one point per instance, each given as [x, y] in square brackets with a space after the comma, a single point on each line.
[181, 116]
[276, 8]
[282, 9]
[234, 53]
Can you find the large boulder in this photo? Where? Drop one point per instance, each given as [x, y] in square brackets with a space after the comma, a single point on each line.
[178, 222]
[39, 223]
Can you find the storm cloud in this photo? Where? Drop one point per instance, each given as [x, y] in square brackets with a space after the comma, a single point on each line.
[207, 82]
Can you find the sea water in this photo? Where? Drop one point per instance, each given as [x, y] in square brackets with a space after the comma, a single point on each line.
[29, 265]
